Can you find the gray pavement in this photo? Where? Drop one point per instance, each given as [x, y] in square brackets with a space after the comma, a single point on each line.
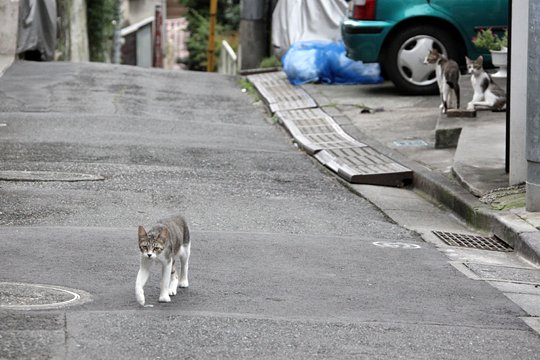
[286, 262]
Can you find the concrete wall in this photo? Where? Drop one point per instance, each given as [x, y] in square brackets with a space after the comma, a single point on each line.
[8, 26]
[518, 92]
[134, 11]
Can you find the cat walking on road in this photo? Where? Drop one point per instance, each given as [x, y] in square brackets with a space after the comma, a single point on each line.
[167, 239]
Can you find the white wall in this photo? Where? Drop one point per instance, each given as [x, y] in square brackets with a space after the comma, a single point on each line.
[518, 92]
[8, 26]
[137, 10]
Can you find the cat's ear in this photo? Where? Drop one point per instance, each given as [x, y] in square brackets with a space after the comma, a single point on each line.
[142, 232]
[480, 59]
[163, 235]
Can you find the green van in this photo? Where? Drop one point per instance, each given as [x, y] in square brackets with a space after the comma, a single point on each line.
[399, 33]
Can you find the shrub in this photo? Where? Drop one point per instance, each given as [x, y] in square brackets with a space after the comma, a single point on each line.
[228, 21]
[487, 39]
[100, 15]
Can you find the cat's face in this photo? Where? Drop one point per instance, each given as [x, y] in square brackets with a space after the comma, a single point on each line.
[433, 57]
[151, 246]
[474, 66]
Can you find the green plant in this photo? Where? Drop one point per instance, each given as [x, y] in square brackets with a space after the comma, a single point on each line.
[228, 11]
[247, 87]
[228, 20]
[487, 39]
[270, 62]
[100, 16]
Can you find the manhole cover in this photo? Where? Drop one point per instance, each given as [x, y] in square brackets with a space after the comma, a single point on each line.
[15, 175]
[473, 241]
[36, 296]
[410, 143]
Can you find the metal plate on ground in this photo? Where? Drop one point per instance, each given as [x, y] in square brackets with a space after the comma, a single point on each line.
[364, 165]
[410, 143]
[473, 241]
[314, 130]
[505, 273]
[278, 92]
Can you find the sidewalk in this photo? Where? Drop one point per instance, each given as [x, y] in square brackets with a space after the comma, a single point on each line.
[456, 161]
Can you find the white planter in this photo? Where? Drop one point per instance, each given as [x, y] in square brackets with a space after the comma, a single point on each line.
[500, 59]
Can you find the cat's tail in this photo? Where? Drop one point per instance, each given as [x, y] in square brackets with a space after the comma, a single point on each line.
[500, 103]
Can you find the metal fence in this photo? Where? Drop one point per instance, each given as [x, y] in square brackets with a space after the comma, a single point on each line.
[228, 61]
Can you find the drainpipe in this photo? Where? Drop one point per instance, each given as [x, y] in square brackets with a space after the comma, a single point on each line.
[532, 200]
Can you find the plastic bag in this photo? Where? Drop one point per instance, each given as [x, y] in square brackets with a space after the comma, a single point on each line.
[325, 61]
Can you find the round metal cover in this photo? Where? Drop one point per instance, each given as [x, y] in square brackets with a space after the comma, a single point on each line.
[20, 296]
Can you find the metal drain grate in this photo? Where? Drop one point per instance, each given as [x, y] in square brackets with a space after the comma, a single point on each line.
[364, 165]
[473, 241]
[314, 130]
[278, 92]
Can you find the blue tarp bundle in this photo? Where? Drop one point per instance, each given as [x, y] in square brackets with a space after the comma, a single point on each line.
[325, 61]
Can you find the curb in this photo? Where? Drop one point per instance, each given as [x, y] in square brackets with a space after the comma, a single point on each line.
[522, 236]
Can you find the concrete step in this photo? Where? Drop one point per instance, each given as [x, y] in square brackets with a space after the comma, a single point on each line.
[480, 157]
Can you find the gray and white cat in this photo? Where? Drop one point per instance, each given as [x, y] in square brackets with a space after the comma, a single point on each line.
[487, 94]
[167, 239]
[447, 72]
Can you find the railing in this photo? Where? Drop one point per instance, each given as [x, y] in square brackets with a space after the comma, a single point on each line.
[228, 61]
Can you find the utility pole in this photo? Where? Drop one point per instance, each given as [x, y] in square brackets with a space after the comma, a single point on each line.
[254, 44]
[532, 201]
[158, 39]
[211, 36]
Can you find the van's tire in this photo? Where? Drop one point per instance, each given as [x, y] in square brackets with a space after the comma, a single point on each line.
[404, 56]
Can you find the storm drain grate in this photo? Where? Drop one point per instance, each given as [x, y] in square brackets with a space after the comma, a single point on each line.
[473, 241]
[364, 165]
[278, 92]
[314, 130]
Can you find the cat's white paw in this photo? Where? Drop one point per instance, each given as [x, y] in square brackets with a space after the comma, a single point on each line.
[172, 292]
[184, 283]
[470, 106]
[140, 297]
[165, 298]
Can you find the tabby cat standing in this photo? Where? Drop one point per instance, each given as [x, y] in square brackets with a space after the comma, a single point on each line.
[165, 240]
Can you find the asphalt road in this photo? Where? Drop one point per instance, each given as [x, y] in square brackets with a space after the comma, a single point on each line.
[283, 260]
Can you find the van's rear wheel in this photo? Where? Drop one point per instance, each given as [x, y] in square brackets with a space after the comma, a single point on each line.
[403, 62]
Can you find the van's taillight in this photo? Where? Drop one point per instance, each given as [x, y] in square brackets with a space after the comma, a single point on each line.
[363, 9]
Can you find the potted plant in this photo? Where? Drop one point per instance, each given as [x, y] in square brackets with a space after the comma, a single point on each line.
[497, 46]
